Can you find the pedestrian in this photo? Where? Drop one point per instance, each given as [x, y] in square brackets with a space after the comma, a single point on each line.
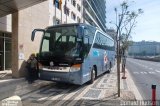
[32, 68]
[123, 63]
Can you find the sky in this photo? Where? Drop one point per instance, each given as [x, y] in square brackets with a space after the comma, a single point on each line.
[148, 23]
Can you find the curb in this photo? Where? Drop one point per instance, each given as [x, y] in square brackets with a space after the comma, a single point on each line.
[132, 86]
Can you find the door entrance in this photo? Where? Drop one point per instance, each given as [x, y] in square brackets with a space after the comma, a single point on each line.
[5, 51]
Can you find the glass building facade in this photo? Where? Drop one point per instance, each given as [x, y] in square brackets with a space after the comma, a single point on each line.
[5, 51]
[94, 13]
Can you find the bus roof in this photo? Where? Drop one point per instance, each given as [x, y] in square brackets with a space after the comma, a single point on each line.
[79, 24]
[71, 24]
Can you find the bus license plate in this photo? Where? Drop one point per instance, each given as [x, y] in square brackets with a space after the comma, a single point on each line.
[56, 79]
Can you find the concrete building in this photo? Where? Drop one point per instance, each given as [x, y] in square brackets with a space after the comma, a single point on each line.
[19, 18]
[144, 48]
[15, 35]
[69, 12]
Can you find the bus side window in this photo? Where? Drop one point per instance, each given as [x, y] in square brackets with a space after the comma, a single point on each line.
[89, 32]
[88, 39]
[97, 43]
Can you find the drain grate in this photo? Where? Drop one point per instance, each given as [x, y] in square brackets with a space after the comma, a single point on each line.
[92, 93]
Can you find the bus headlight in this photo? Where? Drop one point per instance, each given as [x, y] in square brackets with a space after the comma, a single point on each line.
[51, 63]
[75, 67]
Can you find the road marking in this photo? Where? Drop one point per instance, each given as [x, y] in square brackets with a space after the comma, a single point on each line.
[136, 72]
[151, 72]
[43, 98]
[143, 72]
[157, 71]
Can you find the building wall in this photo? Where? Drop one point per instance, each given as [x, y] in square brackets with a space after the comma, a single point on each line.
[24, 21]
[6, 23]
[144, 48]
[71, 8]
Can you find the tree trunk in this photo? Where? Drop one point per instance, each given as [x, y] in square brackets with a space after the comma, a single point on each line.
[123, 60]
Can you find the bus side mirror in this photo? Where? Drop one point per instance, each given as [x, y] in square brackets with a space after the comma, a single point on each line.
[34, 32]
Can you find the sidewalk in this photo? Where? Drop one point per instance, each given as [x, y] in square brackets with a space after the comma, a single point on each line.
[128, 88]
[102, 92]
[109, 96]
[128, 85]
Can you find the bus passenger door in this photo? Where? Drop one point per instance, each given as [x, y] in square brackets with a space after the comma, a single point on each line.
[87, 60]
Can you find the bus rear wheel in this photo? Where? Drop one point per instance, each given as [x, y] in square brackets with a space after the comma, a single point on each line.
[93, 75]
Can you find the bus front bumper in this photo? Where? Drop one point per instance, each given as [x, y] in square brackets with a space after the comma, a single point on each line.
[67, 77]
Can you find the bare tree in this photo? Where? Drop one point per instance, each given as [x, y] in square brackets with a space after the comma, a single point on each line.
[128, 24]
[125, 22]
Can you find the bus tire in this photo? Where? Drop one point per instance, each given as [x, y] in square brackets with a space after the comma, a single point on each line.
[93, 75]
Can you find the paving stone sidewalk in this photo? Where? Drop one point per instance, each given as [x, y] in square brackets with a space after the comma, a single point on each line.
[103, 92]
[108, 86]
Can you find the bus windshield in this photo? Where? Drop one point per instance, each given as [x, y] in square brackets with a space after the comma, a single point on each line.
[61, 43]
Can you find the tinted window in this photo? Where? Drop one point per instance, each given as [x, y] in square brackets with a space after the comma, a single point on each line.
[103, 42]
[62, 41]
[97, 43]
[89, 33]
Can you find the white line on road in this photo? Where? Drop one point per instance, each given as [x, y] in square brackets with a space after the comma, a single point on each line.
[157, 71]
[135, 72]
[143, 72]
[151, 72]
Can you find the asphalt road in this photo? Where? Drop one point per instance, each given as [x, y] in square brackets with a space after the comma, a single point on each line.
[144, 74]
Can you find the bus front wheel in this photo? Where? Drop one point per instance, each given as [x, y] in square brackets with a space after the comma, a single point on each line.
[93, 75]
